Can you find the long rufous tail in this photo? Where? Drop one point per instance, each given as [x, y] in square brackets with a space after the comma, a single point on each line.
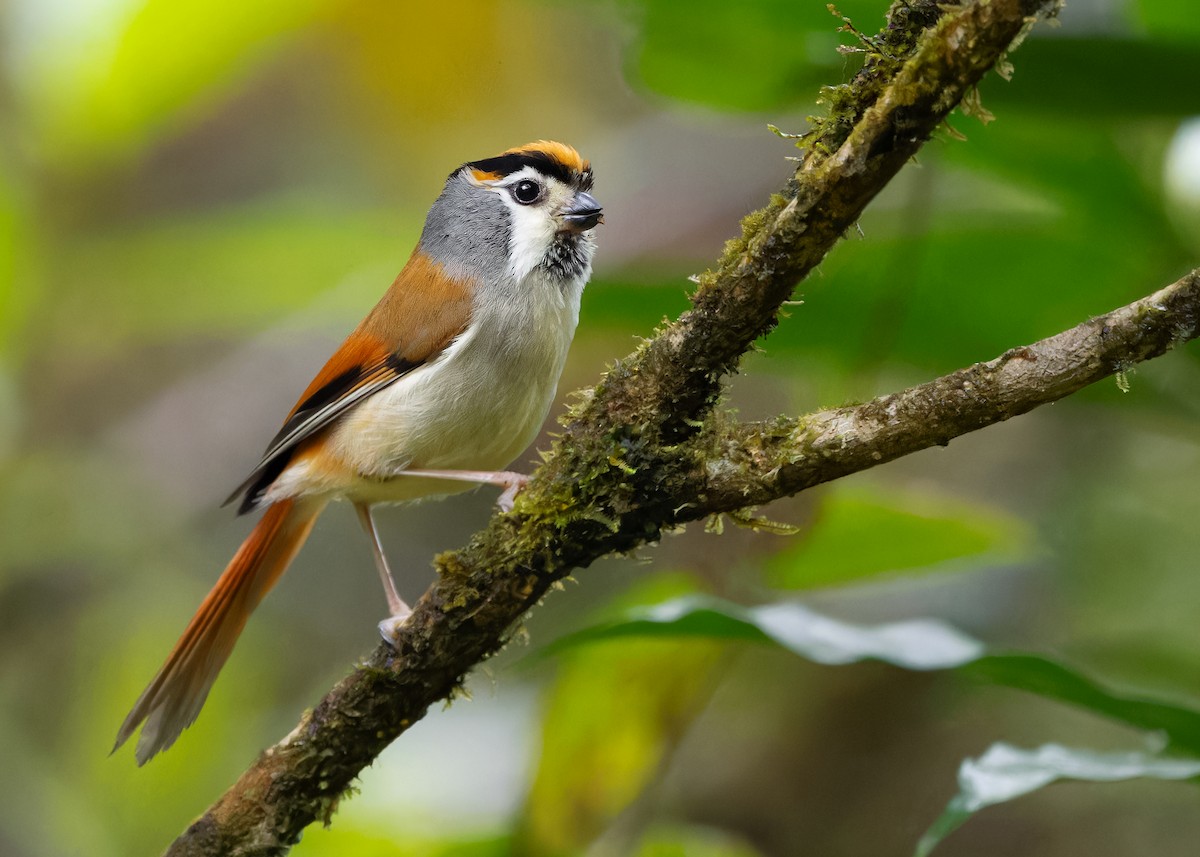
[170, 703]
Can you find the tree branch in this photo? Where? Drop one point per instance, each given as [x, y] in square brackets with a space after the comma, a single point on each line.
[636, 455]
[754, 463]
[927, 61]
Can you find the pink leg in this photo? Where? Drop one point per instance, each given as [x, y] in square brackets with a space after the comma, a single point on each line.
[400, 611]
[506, 479]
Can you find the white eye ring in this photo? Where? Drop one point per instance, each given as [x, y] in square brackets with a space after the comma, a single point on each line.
[527, 192]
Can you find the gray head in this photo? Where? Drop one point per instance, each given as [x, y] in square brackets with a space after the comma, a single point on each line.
[525, 210]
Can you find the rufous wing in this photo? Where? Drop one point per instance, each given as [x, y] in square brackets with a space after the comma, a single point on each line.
[416, 320]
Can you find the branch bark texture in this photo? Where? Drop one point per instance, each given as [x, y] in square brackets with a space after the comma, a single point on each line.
[754, 463]
[645, 450]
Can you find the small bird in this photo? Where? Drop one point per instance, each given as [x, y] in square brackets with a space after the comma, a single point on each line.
[444, 382]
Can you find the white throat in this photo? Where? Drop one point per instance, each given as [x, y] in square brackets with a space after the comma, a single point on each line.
[533, 228]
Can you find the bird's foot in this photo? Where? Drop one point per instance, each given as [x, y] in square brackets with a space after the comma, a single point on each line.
[516, 484]
[511, 482]
[390, 627]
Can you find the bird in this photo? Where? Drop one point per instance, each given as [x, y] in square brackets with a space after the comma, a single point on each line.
[442, 385]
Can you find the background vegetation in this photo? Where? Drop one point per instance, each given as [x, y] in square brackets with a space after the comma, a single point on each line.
[199, 201]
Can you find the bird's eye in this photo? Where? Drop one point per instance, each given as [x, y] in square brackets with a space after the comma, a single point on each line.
[526, 192]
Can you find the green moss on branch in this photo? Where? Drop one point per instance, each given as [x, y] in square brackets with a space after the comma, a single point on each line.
[755, 463]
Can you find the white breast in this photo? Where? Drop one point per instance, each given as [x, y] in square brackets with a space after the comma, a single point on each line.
[474, 408]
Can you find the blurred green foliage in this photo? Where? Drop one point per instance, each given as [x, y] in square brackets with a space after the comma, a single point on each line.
[858, 534]
[198, 200]
[121, 78]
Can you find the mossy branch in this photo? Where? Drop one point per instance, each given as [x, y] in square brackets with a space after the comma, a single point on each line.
[644, 450]
[754, 463]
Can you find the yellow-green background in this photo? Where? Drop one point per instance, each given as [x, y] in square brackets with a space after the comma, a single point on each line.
[199, 199]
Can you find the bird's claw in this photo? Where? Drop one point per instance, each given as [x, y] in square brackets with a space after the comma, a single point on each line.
[515, 483]
[390, 627]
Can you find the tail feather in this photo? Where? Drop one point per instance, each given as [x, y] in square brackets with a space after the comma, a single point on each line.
[173, 699]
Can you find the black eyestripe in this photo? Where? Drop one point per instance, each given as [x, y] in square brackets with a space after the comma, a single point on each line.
[510, 163]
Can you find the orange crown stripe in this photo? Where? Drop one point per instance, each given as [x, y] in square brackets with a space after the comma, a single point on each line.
[561, 152]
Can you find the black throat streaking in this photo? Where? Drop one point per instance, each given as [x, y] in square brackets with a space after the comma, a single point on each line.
[566, 259]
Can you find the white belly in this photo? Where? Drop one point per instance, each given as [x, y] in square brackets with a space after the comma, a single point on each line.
[474, 408]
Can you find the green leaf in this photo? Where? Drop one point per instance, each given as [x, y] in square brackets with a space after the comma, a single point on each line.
[920, 644]
[612, 716]
[1005, 773]
[924, 644]
[862, 533]
[1045, 677]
